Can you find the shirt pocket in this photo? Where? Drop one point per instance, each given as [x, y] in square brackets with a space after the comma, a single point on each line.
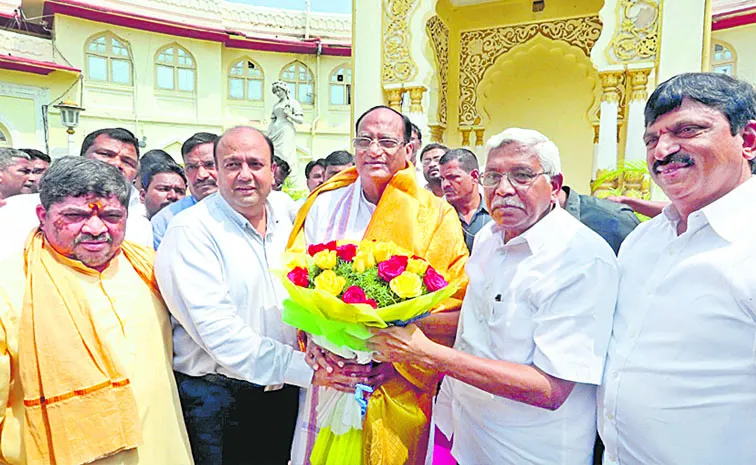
[511, 331]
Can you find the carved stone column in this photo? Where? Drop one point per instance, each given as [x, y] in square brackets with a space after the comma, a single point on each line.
[637, 78]
[480, 133]
[395, 98]
[416, 99]
[610, 97]
[465, 131]
[437, 132]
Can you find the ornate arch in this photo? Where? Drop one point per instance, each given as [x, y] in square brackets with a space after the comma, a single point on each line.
[481, 48]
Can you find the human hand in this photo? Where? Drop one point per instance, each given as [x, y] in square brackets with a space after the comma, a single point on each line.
[401, 344]
[618, 199]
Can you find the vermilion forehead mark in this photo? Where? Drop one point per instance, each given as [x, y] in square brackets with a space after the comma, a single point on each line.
[95, 206]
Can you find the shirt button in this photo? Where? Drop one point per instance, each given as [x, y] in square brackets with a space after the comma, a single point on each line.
[610, 417]
[612, 458]
[615, 375]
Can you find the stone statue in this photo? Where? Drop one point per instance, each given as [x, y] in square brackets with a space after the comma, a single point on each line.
[286, 113]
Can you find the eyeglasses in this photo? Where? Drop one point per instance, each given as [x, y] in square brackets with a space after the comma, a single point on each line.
[519, 178]
[364, 143]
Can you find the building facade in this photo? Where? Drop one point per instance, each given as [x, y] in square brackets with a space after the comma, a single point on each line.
[577, 70]
[166, 69]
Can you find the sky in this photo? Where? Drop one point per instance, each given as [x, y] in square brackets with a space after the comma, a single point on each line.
[322, 6]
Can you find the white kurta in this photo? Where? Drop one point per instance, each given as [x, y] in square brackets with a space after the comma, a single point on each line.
[342, 213]
[680, 380]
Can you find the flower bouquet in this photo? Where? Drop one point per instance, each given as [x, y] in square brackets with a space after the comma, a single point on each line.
[338, 290]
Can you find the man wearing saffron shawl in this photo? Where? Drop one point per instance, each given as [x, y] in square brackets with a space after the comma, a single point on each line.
[379, 199]
[85, 339]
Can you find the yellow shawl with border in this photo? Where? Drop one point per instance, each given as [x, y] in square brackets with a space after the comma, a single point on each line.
[78, 403]
[396, 428]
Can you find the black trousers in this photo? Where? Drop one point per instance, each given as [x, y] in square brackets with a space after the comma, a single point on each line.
[233, 422]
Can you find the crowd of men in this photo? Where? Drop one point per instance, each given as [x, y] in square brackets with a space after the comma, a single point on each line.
[141, 320]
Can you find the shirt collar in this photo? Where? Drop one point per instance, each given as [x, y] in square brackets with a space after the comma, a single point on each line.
[731, 216]
[240, 220]
[538, 236]
[481, 209]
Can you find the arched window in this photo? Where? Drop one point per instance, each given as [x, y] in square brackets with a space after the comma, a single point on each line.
[175, 69]
[299, 78]
[108, 59]
[245, 81]
[341, 85]
[723, 58]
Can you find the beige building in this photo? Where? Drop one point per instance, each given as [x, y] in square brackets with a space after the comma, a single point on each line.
[166, 69]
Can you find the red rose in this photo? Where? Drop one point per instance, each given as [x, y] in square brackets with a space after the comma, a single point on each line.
[355, 295]
[315, 248]
[299, 276]
[392, 267]
[433, 280]
[346, 252]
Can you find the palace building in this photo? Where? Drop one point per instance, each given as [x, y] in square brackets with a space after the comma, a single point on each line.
[577, 70]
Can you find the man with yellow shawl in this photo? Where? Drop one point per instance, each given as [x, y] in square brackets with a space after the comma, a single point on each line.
[379, 199]
[85, 339]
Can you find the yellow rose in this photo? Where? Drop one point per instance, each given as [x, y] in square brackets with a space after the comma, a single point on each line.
[417, 266]
[382, 251]
[364, 260]
[407, 285]
[366, 246]
[298, 261]
[325, 259]
[330, 283]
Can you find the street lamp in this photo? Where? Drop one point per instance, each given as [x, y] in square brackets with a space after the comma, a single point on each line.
[69, 117]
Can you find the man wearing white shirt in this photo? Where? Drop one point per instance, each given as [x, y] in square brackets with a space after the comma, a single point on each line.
[535, 322]
[680, 371]
[232, 352]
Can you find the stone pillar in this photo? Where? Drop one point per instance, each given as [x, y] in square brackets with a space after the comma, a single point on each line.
[637, 78]
[437, 132]
[465, 131]
[366, 56]
[607, 150]
[681, 53]
[416, 99]
[395, 98]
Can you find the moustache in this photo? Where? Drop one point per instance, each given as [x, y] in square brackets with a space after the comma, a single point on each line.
[511, 201]
[206, 182]
[677, 157]
[84, 237]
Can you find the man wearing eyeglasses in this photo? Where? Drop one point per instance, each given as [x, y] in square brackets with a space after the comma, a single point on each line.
[379, 199]
[201, 173]
[535, 322]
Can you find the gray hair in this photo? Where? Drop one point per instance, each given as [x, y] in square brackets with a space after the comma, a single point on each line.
[77, 177]
[7, 156]
[547, 151]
